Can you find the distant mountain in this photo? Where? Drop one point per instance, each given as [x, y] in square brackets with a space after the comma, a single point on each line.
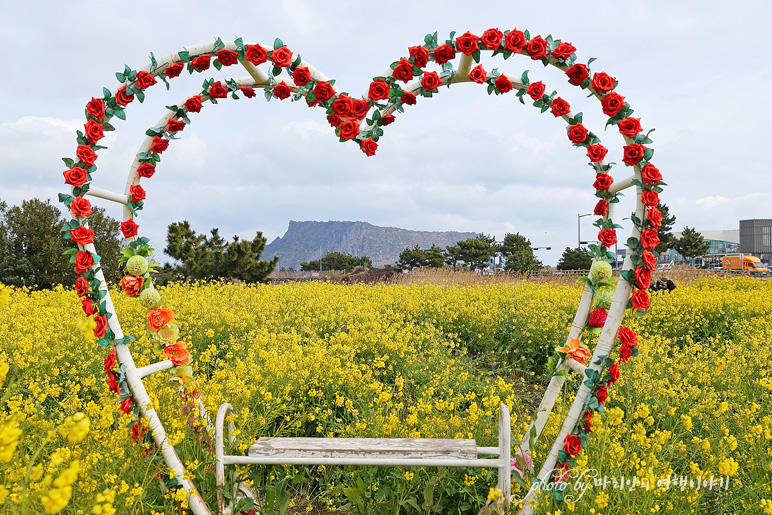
[382, 245]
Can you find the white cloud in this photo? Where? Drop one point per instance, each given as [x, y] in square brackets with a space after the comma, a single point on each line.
[711, 202]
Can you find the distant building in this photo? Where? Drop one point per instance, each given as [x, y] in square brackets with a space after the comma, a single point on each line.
[721, 243]
[756, 238]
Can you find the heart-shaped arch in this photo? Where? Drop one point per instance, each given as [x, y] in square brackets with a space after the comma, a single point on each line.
[362, 121]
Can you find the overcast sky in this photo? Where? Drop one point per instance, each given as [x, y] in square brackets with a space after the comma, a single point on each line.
[696, 71]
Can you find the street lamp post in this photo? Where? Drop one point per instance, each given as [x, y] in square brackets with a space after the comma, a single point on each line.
[579, 229]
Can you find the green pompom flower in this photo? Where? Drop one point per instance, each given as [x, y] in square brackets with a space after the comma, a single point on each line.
[136, 265]
[150, 298]
[603, 298]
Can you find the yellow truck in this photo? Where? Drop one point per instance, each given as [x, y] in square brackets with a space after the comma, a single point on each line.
[750, 264]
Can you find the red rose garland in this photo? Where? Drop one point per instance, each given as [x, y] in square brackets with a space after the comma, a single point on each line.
[344, 114]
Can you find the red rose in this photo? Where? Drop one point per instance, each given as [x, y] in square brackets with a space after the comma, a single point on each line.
[387, 119]
[158, 145]
[564, 51]
[655, 217]
[613, 370]
[136, 192]
[112, 383]
[301, 76]
[89, 308]
[603, 83]
[129, 228]
[627, 336]
[96, 108]
[93, 131]
[478, 74]
[607, 237]
[587, 421]
[348, 129]
[174, 70]
[649, 198]
[201, 62]
[146, 170]
[158, 318]
[629, 126]
[227, 57]
[633, 153]
[334, 120]
[572, 445]
[75, 176]
[420, 55]
[650, 174]
[577, 74]
[369, 146]
[282, 56]
[110, 360]
[81, 207]
[138, 431]
[217, 90]
[408, 98]
[642, 277]
[649, 261]
[323, 91]
[282, 90]
[131, 285]
[193, 104]
[503, 84]
[86, 155]
[101, 326]
[82, 235]
[467, 43]
[430, 81]
[596, 152]
[126, 405]
[560, 107]
[603, 181]
[597, 317]
[601, 393]
[612, 104]
[175, 125]
[649, 238]
[403, 71]
[122, 98]
[601, 207]
[443, 54]
[577, 133]
[248, 91]
[640, 300]
[144, 80]
[514, 41]
[360, 108]
[81, 286]
[535, 90]
[491, 38]
[255, 54]
[379, 89]
[342, 106]
[536, 48]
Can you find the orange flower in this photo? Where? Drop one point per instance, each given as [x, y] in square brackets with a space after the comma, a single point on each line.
[158, 318]
[131, 285]
[177, 352]
[574, 350]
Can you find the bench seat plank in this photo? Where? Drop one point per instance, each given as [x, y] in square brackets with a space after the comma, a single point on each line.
[303, 447]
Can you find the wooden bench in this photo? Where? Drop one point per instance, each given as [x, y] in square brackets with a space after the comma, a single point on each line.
[399, 452]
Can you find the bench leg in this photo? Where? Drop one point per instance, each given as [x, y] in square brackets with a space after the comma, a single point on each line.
[505, 455]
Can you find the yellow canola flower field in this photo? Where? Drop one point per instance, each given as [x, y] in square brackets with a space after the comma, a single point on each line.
[319, 359]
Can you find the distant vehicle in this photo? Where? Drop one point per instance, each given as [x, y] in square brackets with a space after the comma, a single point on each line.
[750, 264]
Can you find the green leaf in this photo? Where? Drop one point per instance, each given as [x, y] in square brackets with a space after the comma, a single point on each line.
[121, 77]
[217, 64]
[524, 77]
[140, 95]
[277, 43]
[119, 113]
[184, 56]
[106, 93]
[239, 43]
[648, 153]
[218, 44]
